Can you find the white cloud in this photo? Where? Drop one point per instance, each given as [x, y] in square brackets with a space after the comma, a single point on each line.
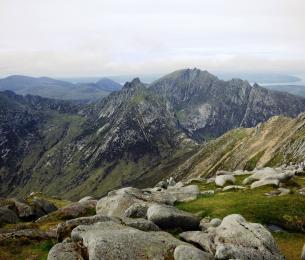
[100, 37]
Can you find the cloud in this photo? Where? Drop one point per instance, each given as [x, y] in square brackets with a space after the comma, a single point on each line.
[101, 37]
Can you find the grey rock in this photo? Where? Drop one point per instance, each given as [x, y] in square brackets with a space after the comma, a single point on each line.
[170, 217]
[264, 182]
[116, 205]
[44, 205]
[207, 192]
[65, 251]
[191, 253]
[183, 194]
[233, 187]
[221, 180]
[284, 191]
[86, 199]
[109, 240]
[238, 239]
[64, 229]
[136, 210]
[141, 224]
[215, 222]
[33, 234]
[7, 216]
[200, 238]
[162, 184]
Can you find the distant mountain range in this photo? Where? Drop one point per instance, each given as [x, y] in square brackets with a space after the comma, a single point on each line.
[135, 136]
[58, 89]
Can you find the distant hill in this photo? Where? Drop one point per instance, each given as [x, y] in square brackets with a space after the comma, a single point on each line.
[298, 90]
[58, 89]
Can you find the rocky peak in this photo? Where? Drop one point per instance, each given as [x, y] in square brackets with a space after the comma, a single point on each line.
[135, 83]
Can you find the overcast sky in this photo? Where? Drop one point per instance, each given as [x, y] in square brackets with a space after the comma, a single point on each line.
[115, 37]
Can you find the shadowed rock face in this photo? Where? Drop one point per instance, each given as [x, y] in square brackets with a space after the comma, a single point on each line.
[208, 107]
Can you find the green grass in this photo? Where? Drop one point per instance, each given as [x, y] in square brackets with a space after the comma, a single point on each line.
[23, 249]
[286, 211]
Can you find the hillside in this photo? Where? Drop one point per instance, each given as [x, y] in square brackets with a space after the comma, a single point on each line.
[58, 89]
[278, 141]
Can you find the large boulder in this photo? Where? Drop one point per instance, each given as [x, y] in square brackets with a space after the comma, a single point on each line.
[115, 205]
[235, 238]
[183, 194]
[166, 216]
[222, 180]
[73, 210]
[64, 229]
[65, 251]
[7, 216]
[238, 239]
[110, 240]
[184, 252]
[23, 210]
[43, 205]
[270, 174]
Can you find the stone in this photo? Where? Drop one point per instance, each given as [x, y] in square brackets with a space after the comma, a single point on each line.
[284, 191]
[65, 251]
[215, 222]
[233, 187]
[165, 216]
[171, 182]
[24, 211]
[162, 184]
[86, 199]
[238, 239]
[264, 182]
[116, 205]
[191, 253]
[71, 211]
[110, 240]
[221, 180]
[184, 194]
[7, 216]
[200, 238]
[141, 224]
[44, 205]
[207, 192]
[136, 210]
[204, 223]
[64, 229]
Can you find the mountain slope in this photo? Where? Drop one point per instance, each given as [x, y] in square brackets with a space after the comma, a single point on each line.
[127, 138]
[58, 89]
[278, 141]
[208, 107]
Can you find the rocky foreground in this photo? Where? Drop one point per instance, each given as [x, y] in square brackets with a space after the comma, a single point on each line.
[132, 223]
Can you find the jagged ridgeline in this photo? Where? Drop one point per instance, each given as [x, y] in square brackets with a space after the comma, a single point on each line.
[135, 136]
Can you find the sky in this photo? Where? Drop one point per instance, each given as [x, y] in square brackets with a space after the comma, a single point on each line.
[67, 38]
